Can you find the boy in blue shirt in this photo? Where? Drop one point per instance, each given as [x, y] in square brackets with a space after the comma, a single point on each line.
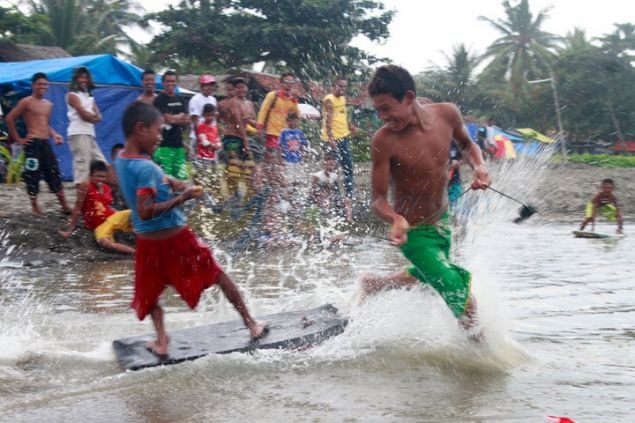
[292, 146]
[168, 252]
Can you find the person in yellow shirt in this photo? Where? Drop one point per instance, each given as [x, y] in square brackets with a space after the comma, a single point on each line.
[336, 130]
[272, 120]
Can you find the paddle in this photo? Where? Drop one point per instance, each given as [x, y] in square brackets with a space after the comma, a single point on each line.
[525, 212]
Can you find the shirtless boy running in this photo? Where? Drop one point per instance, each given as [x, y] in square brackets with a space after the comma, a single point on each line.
[410, 152]
[40, 161]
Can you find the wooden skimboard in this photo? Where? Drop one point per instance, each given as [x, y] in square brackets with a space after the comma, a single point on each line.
[288, 330]
[596, 235]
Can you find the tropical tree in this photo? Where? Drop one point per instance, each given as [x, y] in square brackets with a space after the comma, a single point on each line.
[19, 27]
[454, 82]
[309, 37]
[90, 26]
[524, 50]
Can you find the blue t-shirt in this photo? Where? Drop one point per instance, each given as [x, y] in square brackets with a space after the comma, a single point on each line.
[138, 173]
[291, 143]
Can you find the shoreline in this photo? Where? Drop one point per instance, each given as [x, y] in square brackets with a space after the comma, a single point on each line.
[560, 194]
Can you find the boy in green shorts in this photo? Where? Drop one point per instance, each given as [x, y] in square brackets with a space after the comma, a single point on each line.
[408, 153]
[605, 204]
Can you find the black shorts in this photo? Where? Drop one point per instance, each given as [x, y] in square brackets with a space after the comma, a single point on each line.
[41, 163]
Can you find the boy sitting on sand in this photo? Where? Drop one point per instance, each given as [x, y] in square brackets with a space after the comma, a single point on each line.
[94, 204]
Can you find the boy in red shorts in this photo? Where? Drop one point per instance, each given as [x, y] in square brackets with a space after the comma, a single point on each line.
[168, 252]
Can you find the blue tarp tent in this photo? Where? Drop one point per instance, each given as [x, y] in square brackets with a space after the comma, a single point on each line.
[118, 84]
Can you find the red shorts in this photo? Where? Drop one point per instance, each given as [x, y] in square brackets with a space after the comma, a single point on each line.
[272, 141]
[183, 261]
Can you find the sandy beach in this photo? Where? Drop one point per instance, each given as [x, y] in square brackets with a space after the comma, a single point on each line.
[560, 195]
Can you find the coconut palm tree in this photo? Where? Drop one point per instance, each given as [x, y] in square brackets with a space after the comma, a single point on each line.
[523, 52]
[90, 26]
[453, 82]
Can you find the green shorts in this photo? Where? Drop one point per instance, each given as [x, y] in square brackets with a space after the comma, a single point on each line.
[428, 249]
[173, 161]
[608, 211]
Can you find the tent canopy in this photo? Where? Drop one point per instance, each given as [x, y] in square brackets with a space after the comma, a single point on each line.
[106, 69]
[118, 84]
[532, 133]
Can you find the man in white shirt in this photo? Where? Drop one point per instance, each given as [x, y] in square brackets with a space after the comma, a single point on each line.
[198, 101]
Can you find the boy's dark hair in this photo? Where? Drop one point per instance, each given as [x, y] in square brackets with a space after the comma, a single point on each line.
[138, 112]
[330, 155]
[292, 115]
[608, 181]
[209, 108]
[98, 166]
[291, 74]
[392, 80]
[238, 80]
[116, 147]
[77, 72]
[168, 73]
[38, 75]
[148, 72]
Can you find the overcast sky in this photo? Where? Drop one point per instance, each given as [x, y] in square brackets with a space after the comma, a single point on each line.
[421, 33]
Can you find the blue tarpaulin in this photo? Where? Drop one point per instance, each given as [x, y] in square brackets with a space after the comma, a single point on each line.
[118, 84]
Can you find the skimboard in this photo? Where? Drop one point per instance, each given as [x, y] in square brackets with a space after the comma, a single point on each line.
[288, 330]
[596, 235]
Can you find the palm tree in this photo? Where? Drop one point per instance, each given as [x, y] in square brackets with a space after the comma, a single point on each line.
[524, 51]
[90, 26]
[453, 82]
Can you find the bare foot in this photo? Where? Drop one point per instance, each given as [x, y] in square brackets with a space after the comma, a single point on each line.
[160, 349]
[37, 210]
[258, 330]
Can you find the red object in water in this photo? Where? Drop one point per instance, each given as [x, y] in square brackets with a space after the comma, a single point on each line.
[558, 419]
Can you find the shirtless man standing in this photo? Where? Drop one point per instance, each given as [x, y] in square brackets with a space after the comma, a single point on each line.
[410, 153]
[236, 143]
[40, 161]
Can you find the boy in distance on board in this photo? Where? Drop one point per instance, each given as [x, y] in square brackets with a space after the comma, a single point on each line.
[604, 203]
[168, 252]
[405, 155]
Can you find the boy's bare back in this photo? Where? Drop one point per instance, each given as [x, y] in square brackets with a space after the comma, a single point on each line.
[416, 161]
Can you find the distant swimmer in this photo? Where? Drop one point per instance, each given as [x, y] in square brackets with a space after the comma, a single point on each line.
[604, 203]
[410, 154]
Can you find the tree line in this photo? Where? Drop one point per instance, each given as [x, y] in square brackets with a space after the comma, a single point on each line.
[514, 81]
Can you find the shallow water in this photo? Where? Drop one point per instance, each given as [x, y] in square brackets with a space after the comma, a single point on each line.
[558, 313]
